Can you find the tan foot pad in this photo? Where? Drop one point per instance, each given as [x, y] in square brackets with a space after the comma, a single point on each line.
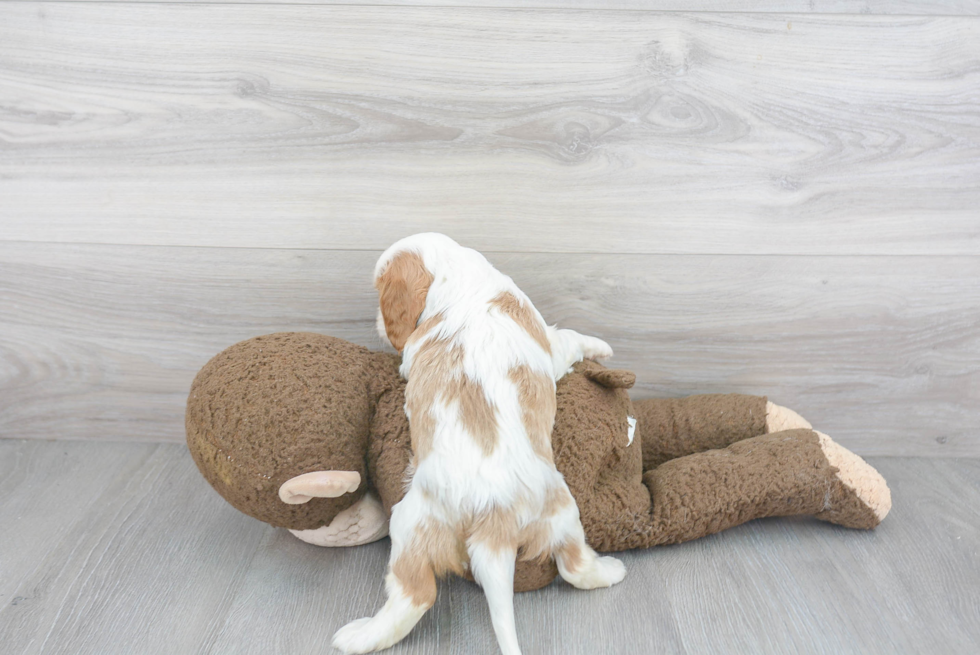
[863, 498]
[780, 418]
[361, 523]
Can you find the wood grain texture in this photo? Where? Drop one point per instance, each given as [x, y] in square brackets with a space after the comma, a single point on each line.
[157, 562]
[141, 570]
[883, 353]
[37, 481]
[514, 130]
[864, 7]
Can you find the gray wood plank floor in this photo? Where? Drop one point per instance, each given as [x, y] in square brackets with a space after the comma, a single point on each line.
[123, 548]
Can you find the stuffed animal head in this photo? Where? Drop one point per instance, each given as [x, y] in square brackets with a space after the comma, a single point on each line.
[272, 408]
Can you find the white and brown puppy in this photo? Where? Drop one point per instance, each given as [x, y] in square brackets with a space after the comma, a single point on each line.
[481, 366]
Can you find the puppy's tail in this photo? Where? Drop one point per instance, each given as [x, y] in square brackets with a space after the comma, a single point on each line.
[492, 566]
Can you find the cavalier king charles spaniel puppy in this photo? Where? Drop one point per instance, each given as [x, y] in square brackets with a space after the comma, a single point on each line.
[481, 366]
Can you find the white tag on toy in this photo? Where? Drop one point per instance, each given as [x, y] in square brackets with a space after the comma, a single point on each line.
[632, 430]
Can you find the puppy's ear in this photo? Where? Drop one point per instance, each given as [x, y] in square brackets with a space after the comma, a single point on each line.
[402, 289]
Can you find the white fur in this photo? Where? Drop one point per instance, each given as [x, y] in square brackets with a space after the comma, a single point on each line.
[457, 479]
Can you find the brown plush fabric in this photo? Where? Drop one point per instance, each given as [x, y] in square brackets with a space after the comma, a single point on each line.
[607, 377]
[390, 442]
[532, 575]
[590, 443]
[781, 474]
[274, 407]
[675, 427]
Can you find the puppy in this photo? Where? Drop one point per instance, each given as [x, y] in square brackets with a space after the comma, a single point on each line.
[481, 366]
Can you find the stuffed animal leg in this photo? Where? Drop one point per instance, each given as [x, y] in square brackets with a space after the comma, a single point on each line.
[674, 427]
[763, 445]
[695, 466]
[793, 472]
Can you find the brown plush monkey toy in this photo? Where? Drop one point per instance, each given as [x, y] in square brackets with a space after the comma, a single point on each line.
[308, 432]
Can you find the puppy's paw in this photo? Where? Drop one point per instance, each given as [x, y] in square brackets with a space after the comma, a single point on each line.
[357, 637]
[593, 348]
[609, 571]
[604, 572]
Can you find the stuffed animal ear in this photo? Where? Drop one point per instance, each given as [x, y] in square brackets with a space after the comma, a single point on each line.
[318, 484]
[402, 289]
[611, 378]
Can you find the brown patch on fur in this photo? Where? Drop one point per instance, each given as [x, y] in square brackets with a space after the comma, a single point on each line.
[535, 542]
[437, 361]
[439, 376]
[422, 429]
[571, 556]
[402, 289]
[436, 549]
[445, 547]
[414, 572]
[476, 412]
[555, 500]
[496, 529]
[536, 394]
[508, 303]
[426, 326]
[535, 538]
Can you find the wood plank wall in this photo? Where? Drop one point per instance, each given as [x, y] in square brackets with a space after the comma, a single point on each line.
[775, 197]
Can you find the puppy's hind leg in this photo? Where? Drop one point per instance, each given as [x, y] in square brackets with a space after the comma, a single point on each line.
[410, 583]
[493, 569]
[578, 564]
[569, 347]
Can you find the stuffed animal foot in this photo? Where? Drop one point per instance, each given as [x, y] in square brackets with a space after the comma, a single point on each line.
[858, 496]
[361, 523]
[780, 418]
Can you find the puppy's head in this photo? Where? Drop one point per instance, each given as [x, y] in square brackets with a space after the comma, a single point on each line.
[403, 282]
